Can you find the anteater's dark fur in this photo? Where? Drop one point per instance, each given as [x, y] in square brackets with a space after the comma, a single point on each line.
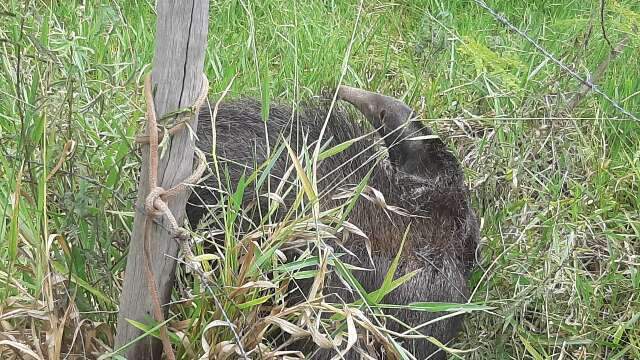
[441, 241]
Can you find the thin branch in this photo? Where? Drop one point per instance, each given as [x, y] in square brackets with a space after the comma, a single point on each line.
[604, 32]
[600, 70]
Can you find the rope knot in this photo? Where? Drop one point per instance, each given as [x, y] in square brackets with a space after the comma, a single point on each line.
[181, 234]
[153, 203]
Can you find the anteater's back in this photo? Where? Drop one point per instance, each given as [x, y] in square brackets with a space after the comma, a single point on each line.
[421, 177]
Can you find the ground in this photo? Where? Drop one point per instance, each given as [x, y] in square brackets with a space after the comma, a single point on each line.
[554, 180]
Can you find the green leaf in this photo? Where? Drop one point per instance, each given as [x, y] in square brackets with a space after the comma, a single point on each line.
[336, 149]
[268, 166]
[302, 175]
[254, 302]
[265, 88]
[530, 349]
[386, 286]
[384, 290]
[346, 274]
[83, 284]
[446, 307]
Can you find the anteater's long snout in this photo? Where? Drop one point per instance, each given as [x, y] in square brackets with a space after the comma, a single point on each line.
[379, 109]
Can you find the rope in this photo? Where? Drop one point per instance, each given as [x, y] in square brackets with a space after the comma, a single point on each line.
[155, 202]
[195, 108]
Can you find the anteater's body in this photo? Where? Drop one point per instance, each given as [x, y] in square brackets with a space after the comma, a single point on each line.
[420, 176]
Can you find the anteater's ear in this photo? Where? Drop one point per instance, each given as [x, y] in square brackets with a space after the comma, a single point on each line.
[403, 135]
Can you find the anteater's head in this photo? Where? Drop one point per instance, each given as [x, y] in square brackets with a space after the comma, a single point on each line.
[414, 150]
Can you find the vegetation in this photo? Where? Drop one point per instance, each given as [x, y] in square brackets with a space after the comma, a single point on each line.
[556, 186]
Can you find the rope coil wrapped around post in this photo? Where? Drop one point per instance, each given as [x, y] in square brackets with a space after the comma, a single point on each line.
[155, 204]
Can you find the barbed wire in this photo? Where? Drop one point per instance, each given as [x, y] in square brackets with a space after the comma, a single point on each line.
[552, 57]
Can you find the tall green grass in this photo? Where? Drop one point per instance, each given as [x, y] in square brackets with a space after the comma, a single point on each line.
[557, 191]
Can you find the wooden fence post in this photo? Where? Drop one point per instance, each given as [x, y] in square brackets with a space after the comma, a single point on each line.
[181, 39]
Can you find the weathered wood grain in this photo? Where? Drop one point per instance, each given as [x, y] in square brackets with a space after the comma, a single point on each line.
[181, 38]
